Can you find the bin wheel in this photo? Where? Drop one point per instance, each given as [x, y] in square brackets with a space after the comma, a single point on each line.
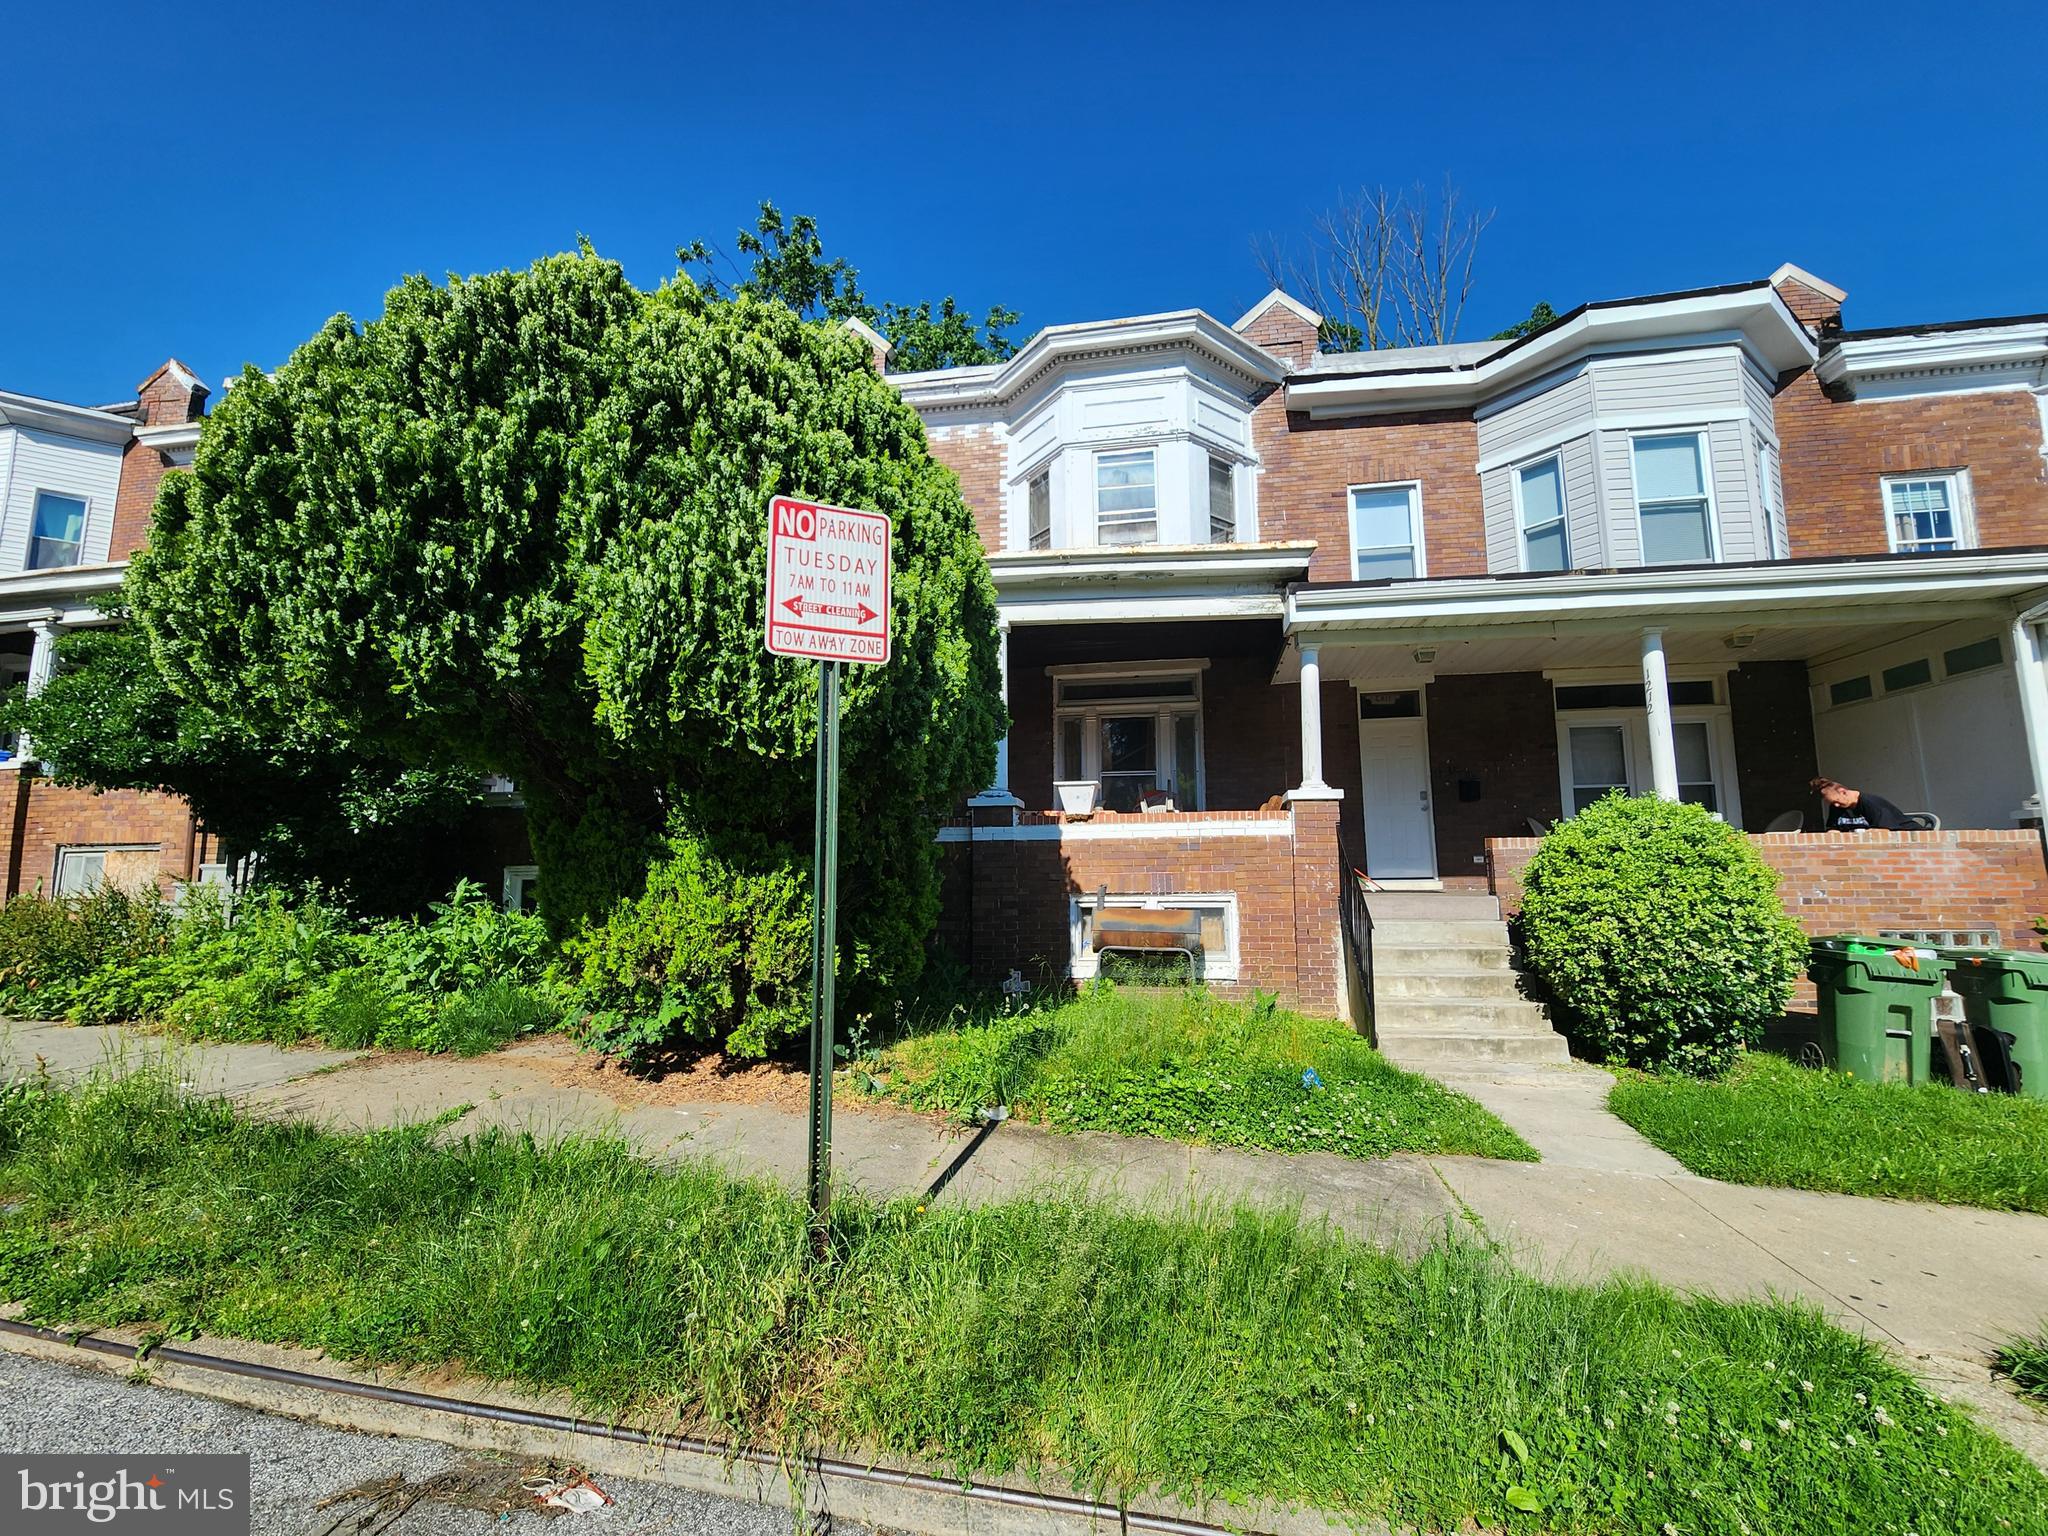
[1811, 1055]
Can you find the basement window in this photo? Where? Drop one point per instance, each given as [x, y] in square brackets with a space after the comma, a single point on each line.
[1215, 911]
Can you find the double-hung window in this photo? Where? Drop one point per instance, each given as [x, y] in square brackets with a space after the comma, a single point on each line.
[57, 533]
[1539, 488]
[1767, 494]
[1671, 499]
[1925, 514]
[1126, 498]
[1604, 743]
[1134, 736]
[1386, 531]
[1038, 510]
[1222, 501]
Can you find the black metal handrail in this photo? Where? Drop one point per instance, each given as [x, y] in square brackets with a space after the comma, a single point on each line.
[1355, 921]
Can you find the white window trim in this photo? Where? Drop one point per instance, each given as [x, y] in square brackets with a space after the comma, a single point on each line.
[1960, 499]
[65, 850]
[1091, 713]
[1564, 504]
[1635, 744]
[1151, 450]
[1082, 963]
[517, 878]
[84, 526]
[1414, 490]
[1044, 473]
[1703, 443]
[1764, 458]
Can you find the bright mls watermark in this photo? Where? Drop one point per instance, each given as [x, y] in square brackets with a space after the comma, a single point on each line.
[161, 1495]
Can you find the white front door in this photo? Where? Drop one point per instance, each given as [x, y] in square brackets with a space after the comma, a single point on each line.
[1400, 838]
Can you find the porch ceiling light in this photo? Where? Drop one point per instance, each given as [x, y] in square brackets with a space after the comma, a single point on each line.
[1424, 655]
[1742, 639]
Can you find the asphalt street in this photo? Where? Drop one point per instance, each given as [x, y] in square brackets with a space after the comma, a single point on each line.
[296, 1468]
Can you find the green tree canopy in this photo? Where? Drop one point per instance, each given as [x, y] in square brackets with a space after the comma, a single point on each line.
[518, 524]
[1539, 317]
[384, 835]
[787, 264]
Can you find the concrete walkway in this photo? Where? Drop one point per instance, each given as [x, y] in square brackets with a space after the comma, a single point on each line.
[1941, 1286]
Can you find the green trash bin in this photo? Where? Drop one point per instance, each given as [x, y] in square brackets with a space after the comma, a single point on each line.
[2006, 990]
[1876, 1008]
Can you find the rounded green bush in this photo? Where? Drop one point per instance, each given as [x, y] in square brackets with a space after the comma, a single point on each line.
[1658, 935]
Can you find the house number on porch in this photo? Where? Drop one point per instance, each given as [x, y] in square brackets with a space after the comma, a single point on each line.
[828, 599]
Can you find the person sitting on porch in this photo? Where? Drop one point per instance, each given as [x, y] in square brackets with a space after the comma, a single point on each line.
[1852, 810]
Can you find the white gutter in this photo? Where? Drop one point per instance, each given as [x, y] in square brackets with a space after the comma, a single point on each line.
[1227, 563]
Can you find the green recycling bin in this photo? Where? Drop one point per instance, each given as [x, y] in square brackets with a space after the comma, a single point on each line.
[2007, 991]
[1876, 1006]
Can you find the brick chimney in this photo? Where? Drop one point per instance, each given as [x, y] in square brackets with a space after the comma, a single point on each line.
[1284, 326]
[879, 346]
[1814, 301]
[168, 400]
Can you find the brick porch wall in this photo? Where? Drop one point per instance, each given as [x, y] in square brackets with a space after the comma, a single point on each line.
[1005, 898]
[38, 817]
[1848, 882]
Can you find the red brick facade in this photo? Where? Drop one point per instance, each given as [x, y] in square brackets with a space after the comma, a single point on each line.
[160, 841]
[1006, 897]
[1307, 468]
[975, 455]
[1860, 882]
[1835, 455]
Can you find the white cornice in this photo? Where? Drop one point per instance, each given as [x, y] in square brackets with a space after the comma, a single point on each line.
[1754, 316]
[175, 440]
[1985, 357]
[1130, 585]
[69, 420]
[1058, 346]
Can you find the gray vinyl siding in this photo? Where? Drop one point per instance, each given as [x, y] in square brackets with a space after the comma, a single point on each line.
[1536, 424]
[1503, 543]
[1728, 449]
[1542, 418]
[1582, 506]
[1615, 472]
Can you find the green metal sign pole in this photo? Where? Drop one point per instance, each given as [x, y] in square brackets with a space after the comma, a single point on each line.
[824, 938]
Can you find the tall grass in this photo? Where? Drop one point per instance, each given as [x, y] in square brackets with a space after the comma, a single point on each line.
[1219, 1354]
[1185, 1064]
[2026, 1362]
[1770, 1122]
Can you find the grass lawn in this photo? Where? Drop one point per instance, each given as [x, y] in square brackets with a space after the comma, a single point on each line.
[1770, 1122]
[1229, 1354]
[1181, 1063]
[2026, 1362]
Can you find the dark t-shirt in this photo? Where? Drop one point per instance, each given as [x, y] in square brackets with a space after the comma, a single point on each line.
[1869, 813]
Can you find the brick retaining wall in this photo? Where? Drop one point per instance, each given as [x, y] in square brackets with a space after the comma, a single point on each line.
[1858, 882]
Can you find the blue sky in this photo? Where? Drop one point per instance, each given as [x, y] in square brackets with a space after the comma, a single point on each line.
[213, 181]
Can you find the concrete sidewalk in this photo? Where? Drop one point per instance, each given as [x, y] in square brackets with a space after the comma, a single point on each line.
[1942, 1286]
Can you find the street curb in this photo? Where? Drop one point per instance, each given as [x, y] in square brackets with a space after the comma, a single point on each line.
[838, 1487]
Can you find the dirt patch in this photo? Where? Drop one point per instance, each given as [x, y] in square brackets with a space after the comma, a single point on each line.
[684, 1080]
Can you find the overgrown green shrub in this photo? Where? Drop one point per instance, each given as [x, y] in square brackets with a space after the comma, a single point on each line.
[51, 947]
[1657, 933]
[710, 952]
[283, 969]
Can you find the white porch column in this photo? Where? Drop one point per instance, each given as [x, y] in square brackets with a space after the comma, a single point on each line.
[1311, 719]
[998, 793]
[1657, 704]
[2030, 668]
[41, 662]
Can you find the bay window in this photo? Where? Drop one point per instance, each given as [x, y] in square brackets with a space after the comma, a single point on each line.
[1126, 497]
[1672, 503]
[1539, 494]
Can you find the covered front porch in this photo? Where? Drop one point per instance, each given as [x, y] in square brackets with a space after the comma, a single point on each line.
[1485, 710]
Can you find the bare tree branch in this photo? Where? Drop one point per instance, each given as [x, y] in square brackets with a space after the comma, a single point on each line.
[1384, 268]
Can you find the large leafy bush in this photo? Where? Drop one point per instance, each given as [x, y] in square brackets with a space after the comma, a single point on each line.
[713, 951]
[1658, 935]
[517, 523]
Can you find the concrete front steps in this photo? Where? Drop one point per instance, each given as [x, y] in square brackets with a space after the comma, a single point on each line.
[1445, 990]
